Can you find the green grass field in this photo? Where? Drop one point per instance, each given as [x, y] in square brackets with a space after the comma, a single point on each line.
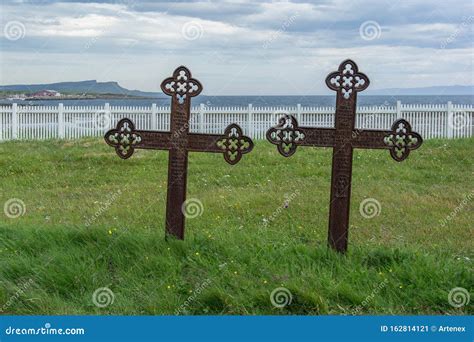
[93, 220]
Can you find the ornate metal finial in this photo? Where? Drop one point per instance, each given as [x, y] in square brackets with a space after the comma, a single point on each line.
[401, 140]
[286, 135]
[123, 138]
[347, 80]
[181, 85]
[234, 144]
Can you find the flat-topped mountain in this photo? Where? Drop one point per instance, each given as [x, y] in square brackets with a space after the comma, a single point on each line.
[80, 87]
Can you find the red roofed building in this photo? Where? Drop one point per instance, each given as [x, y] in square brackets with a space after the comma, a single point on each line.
[46, 93]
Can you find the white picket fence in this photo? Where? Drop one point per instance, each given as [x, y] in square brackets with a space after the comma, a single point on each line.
[72, 122]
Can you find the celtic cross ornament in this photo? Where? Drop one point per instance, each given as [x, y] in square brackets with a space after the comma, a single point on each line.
[233, 144]
[347, 81]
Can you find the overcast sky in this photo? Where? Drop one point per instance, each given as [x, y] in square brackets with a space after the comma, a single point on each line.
[238, 47]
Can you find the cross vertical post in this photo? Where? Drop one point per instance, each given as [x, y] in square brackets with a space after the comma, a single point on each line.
[347, 81]
[176, 87]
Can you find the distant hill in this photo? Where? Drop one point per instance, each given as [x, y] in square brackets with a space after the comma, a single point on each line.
[94, 87]
[436, 90]
[91, 86]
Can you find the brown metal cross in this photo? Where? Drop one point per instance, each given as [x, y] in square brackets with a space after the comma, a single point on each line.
[400, 140]
[125, 138]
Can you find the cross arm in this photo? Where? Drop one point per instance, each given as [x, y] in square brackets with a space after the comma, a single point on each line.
[233, 143]
[198, 142]
[155, 140]
[369, 139]
[125, 139]
[287, 135]
[400, 140]
[322, 137]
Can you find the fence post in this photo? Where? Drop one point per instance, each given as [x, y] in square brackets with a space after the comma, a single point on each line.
[298, 113]
[250, 121]
[61, 121]
[450, 120]
[14, 121]
[399, 109]
[108, 117]
[201, 118]
[154, 118]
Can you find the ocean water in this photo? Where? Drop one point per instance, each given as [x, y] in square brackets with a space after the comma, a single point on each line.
[314, 100]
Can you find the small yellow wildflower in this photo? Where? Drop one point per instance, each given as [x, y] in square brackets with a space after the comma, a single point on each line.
[197, 253]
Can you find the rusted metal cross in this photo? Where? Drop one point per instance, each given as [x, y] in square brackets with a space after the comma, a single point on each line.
[125, 138]
[400, 140]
